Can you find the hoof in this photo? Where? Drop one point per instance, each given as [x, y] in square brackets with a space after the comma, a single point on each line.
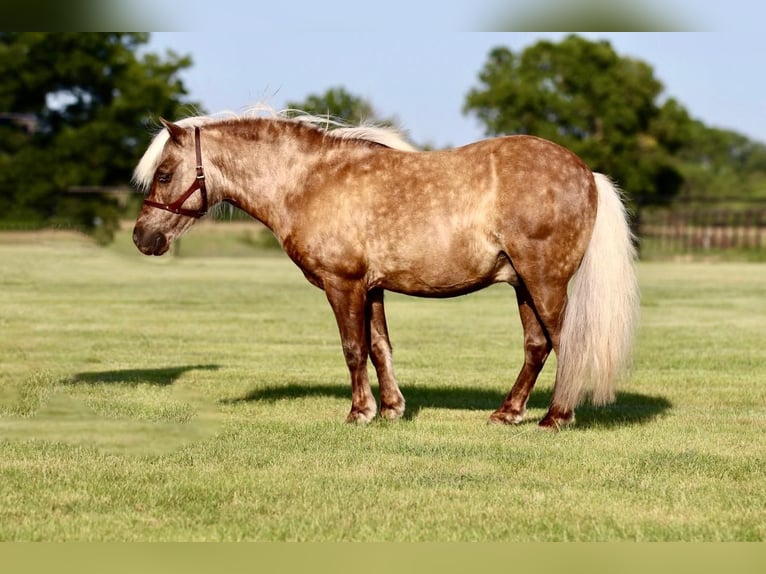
[554, 422]
[505, 418]
[392, 413]
[360, 417]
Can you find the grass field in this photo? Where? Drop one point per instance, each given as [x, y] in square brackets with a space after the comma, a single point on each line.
[202, 398]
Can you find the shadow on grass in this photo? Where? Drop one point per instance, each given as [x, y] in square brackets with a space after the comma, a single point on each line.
[142, 428]
[630, 408]
[161, 377]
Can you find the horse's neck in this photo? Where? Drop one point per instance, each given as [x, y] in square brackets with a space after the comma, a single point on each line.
[266, 175]
[259, 174]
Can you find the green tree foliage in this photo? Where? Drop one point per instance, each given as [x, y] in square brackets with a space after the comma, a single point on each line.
[74, 111]
[715, 163]
[584, 96]
[608, 109]
[340, 104]
[721, 164]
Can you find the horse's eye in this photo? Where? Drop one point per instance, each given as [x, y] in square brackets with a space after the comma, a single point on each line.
[164, 177]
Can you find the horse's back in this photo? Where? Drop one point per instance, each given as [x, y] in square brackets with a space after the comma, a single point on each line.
[522, 188]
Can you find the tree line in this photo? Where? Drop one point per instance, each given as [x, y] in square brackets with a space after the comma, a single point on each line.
[74, 111]
[75, 108]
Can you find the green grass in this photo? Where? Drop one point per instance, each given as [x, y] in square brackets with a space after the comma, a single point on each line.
[202, 399]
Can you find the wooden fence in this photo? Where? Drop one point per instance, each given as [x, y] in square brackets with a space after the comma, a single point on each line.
[702, 229]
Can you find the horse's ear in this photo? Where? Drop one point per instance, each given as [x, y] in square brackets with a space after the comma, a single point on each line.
[176, 132]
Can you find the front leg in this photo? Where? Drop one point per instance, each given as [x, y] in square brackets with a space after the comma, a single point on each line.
[391, 399]
[348, 300]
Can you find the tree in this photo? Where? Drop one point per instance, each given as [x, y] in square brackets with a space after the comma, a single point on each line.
[583, 95]
[338, 103]
[721, 164]
[74, 111]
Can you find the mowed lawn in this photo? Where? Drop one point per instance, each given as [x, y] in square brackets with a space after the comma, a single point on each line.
[203, 398]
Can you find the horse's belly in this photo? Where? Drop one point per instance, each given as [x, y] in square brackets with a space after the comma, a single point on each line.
[434, 272]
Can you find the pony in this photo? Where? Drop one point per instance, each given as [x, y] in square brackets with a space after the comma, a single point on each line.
[360, 211]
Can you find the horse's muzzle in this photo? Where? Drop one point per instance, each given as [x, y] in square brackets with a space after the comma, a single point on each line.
[150, 242]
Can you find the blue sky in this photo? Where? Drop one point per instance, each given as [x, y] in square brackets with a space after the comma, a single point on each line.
[421, 76]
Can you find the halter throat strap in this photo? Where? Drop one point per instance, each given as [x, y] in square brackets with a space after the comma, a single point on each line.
[198, 184]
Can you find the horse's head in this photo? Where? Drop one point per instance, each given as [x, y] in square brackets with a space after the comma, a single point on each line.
[172, 172]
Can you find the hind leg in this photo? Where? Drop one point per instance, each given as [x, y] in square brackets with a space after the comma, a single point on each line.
[547, 298]
[537, 346]
[391, 399]
[550, 304]
[552, 317]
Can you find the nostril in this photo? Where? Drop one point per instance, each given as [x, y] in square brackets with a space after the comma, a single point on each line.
[150, 242]
[159, 242]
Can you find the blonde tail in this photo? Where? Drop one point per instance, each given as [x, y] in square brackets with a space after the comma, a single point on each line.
[602, 308]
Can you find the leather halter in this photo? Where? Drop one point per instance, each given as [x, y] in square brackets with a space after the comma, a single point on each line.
[199, 183]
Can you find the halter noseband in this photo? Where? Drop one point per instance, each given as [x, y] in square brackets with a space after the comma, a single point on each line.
[199, 183]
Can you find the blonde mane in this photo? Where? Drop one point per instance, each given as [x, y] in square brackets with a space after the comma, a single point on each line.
[332, 127]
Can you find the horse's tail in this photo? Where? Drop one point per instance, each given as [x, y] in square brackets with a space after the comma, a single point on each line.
[602, 308]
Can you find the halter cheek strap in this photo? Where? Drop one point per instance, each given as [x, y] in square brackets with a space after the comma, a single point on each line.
[198, 184]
